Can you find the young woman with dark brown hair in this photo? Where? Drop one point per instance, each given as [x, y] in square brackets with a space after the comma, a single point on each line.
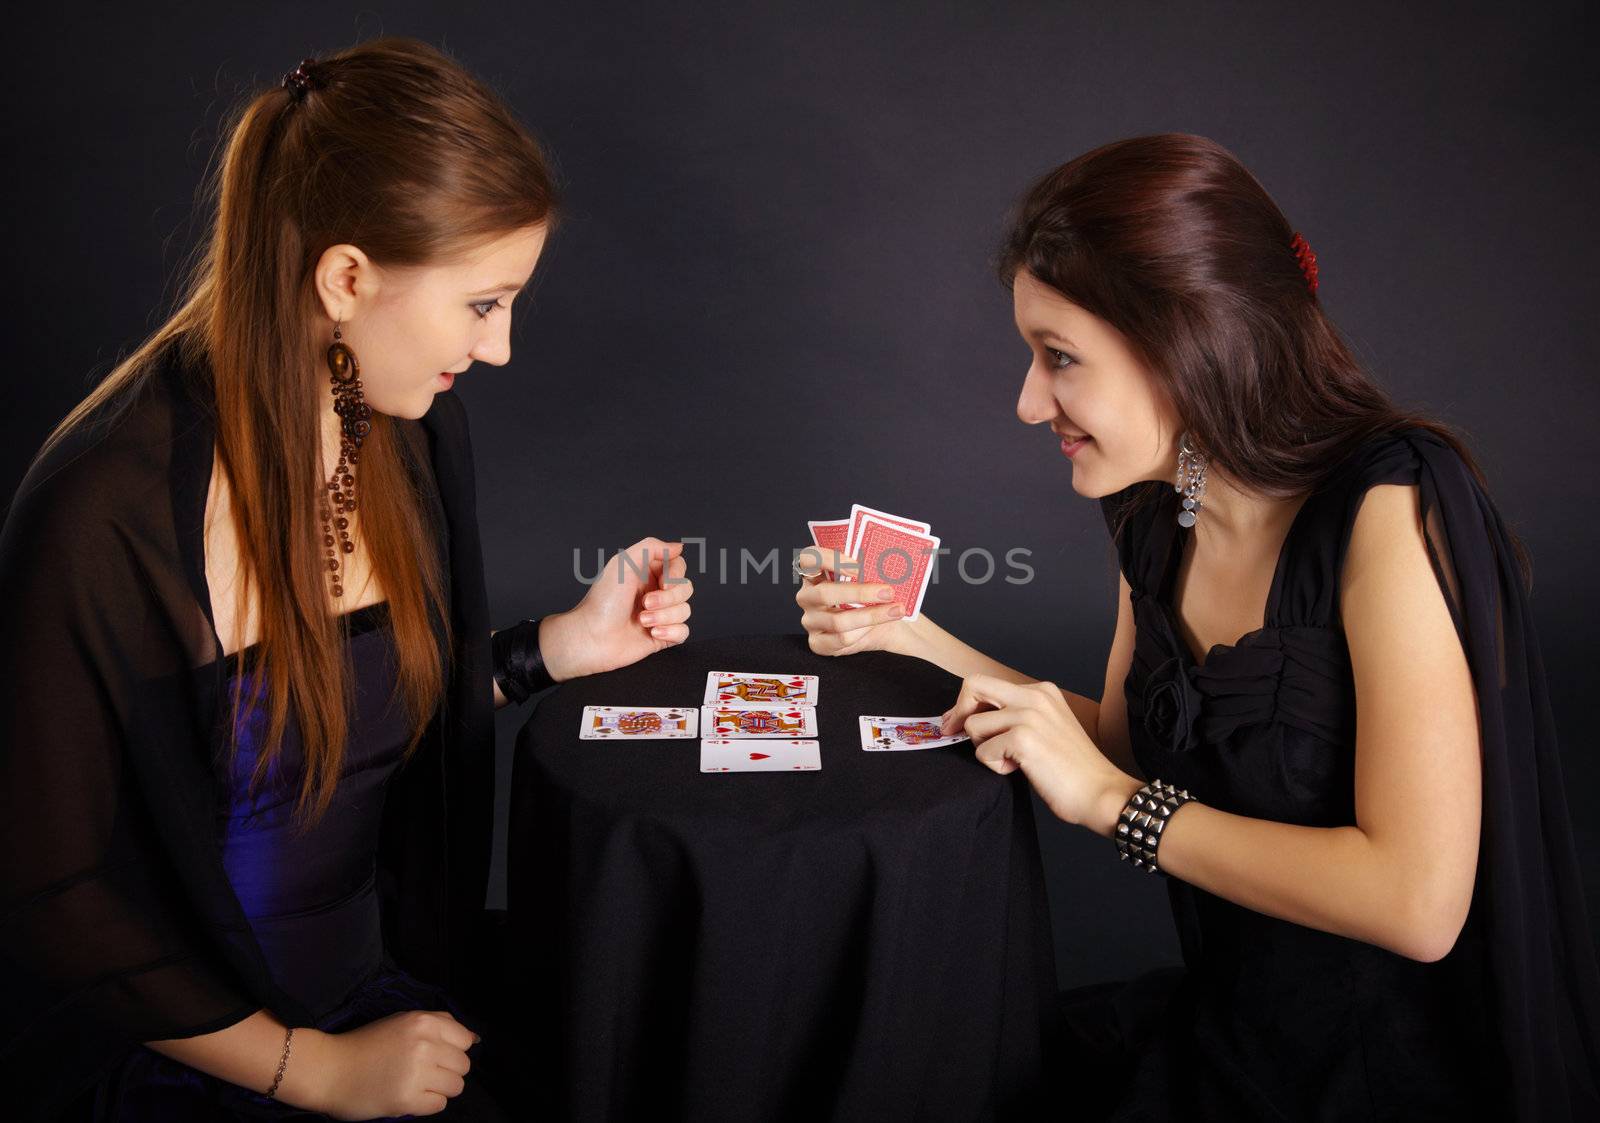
[1324, 664]
[246, 735]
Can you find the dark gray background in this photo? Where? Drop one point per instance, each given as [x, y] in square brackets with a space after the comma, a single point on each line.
[772, 295]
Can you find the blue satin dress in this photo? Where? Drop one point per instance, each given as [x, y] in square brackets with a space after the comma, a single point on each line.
[311, 897]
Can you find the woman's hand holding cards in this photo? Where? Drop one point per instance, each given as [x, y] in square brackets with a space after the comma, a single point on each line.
[831, 627]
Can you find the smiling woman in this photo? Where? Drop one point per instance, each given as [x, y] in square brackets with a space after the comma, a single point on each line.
[1328, 631]
[1323, 714]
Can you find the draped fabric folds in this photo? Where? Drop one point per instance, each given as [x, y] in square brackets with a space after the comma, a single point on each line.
[117, 922]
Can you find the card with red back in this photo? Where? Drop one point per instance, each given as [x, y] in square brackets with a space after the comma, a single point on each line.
[858, 518]
[902, 559]
[828, 534]
[720, 754]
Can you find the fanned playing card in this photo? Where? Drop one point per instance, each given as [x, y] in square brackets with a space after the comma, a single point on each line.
[725, 755]
[638, 723]
[752, 688]
[895, 734]
[829, 534]
[758, 721]
[858, 517]
[901, 558]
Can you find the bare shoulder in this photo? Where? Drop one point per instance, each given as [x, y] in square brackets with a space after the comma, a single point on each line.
[1396, 617]
[1386, 538]
[1396, 613]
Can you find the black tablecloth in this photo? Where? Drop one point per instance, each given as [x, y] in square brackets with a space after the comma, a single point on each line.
[870, 941]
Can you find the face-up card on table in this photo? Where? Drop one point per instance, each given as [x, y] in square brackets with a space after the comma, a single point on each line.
[758, 721]
[753, 688]
[894, 556]
[721, 754]
[858, 517]
[895, 734]
[639, 723]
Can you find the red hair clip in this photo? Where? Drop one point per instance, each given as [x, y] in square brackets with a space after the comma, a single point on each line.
[1308, 260]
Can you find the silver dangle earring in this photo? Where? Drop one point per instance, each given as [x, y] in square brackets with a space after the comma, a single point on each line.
[1191, 482]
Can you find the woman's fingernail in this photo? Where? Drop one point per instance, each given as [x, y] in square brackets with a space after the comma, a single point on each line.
[646, 618]
[895, 612]
[658, 632]
[885, 594]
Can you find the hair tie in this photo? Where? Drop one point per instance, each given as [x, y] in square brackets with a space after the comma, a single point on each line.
[298, 80]
[1308, 260]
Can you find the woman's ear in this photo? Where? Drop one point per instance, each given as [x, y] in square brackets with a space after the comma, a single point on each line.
[345, 278]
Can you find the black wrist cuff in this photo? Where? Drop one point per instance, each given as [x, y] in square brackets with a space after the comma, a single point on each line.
[1144, 817]
[519, 669]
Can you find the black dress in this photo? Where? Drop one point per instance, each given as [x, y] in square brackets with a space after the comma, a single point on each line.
[1269, 1019]
[311, 898]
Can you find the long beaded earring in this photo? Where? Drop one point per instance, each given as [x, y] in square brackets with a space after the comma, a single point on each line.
[1191, 482]
[355, 417]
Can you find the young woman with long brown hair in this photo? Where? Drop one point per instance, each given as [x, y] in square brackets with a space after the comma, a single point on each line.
[246, 735]
[1324, 664]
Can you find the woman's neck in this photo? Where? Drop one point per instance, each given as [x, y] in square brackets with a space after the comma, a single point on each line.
[1236, 517]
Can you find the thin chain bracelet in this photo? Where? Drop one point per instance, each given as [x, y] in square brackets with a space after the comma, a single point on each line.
[1143, 818]
[283, 1062]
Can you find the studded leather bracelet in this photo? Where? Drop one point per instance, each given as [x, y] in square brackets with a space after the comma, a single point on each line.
[1143, 819]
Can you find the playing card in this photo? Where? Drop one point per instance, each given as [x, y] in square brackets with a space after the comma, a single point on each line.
[897, 557]
[892, 734]
[758, 721]
[831, 534]
[751, 688]
[858, 517]
[638, 723]
[724, 755]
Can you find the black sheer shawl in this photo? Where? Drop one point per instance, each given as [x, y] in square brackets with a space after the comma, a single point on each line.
[1544, 989]
[117, 922]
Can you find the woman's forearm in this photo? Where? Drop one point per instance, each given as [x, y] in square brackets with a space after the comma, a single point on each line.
[247, 1054]
[927, 641]
[1334, 879]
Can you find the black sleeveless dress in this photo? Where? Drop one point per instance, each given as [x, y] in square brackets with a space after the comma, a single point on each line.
[311, 898]
[1269, 1019]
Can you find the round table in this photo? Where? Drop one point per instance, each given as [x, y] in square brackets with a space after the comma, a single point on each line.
[868, 941]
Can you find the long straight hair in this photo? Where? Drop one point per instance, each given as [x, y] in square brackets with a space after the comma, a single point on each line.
[1173, 242]
[396, 149]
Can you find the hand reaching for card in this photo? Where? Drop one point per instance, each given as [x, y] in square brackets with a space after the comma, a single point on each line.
[630, 612]
[1031, 727]
[832, 629]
